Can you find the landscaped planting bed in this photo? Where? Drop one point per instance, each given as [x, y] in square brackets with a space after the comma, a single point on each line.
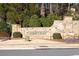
[57, 36]
[17, 35]
[71, 40]
[4, 36]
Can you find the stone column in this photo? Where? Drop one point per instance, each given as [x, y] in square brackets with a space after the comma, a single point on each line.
[67, 25]
[14, 29]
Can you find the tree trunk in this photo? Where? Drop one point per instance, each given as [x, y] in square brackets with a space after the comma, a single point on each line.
[57, 10]
[42, 13]
[51, 11]
[68, 6]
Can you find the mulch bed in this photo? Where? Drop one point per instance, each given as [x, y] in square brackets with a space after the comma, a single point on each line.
[4, 36]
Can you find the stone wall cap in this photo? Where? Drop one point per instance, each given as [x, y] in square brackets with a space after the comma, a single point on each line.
[68, 18]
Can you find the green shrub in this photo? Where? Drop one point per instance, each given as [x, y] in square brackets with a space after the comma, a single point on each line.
[26, 21]
[4, 27]
[78, 35]
[57, 36]
[53, 17]
[69, 13]
[17, 35]
[49, 20]
[46, 22]
[34, 21]
[76, 18]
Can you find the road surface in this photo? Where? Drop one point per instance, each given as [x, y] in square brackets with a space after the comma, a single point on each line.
[41, 52]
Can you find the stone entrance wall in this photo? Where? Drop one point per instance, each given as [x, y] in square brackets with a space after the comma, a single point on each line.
[65, 27]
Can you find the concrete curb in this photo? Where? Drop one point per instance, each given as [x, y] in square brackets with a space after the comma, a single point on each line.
[39, 48]
[17, 48]
[57, 47]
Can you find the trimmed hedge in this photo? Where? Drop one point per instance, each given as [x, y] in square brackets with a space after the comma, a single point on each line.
[17, 35]
[57, 36]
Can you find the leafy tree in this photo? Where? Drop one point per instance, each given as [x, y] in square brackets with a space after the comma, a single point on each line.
[12, 17]
[3, 11]
[15, 13]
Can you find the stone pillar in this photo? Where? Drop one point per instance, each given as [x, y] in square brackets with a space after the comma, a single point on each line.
[14, 29]
[67, 25]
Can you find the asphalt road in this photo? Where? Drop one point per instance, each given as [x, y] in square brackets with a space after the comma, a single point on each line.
[41, 52]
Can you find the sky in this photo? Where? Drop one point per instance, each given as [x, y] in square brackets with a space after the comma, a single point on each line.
[39, 1]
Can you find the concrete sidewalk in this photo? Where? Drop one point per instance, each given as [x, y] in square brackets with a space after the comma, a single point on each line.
[34, 44]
